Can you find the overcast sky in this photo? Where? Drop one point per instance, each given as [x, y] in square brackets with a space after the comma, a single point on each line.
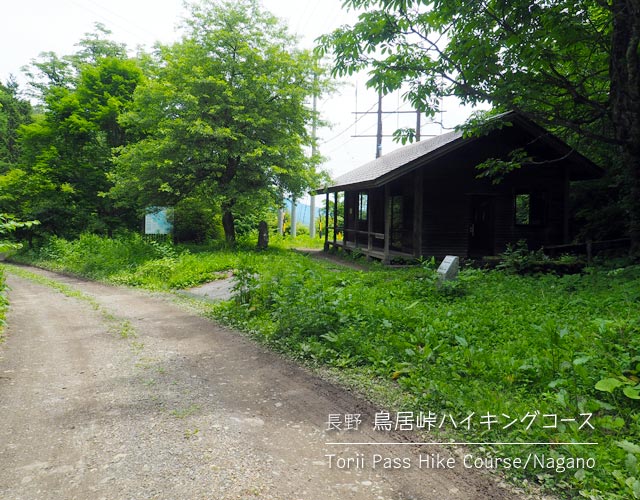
[34, 26]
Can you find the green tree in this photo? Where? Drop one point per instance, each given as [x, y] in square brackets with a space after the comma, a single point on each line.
[571, 65]
[14, 112]
[50, 71]
[225, 116]
[61, 176]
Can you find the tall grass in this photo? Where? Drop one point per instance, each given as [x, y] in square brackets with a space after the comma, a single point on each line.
[489, 344]
[130, 259]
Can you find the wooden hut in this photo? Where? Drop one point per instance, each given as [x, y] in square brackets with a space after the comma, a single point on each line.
[427, 199]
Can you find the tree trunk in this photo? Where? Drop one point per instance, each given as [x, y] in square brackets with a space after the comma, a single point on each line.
[228, 225]
[625, 105]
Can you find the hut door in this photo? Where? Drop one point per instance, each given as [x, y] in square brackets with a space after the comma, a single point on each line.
[401, 223]
[397, 226]
[481, 227]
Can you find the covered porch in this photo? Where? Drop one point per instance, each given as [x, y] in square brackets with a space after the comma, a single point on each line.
[381, 222]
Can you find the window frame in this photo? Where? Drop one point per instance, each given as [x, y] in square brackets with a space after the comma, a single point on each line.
[363, 206]
[536, 208]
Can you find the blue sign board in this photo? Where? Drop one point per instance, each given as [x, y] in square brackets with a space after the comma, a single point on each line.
[157, 221]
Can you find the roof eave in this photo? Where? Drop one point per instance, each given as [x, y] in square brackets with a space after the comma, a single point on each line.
[346, 187]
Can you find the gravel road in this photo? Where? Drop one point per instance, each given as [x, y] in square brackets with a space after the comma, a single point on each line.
[131, 396]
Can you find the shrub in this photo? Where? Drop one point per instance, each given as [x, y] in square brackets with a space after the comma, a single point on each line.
[194, 221]
[96, 256]
[519, 259]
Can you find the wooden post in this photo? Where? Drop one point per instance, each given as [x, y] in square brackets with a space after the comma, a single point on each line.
[369, 223]
[335, 218]
[418, 203]
[326, 222]
[387, 224]
[293, 218]
[263, 235]
[312, 217]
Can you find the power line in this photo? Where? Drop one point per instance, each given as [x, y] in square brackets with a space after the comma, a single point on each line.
[102, 17]
[384, 119]
[363, 114]
[128, 21]
[306, 15]
[113, 19]
[349, 127]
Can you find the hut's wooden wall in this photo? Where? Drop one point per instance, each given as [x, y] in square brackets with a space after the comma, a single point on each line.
[451, 184]
[450, 188]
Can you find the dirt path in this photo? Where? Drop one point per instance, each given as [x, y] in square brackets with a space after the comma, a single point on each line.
[180, 409]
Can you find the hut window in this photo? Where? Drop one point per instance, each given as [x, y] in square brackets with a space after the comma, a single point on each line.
[523, 209]
[363, 202]
[529, 209]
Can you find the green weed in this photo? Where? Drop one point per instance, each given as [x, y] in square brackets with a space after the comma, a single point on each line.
[131, 260]
[185, 412]
[492, 342]
[126, 330]
[191, 433]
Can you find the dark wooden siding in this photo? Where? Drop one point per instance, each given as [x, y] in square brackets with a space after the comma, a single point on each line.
[452, 182]
[451, 190]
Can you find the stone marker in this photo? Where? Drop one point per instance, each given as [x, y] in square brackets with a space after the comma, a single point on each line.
[449, 268]
[263, 235]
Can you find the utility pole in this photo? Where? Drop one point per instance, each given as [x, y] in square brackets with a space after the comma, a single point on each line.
[314, 152]
[379, 133]
[312, 217]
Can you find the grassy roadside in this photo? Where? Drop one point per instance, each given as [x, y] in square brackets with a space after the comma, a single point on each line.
[517, 350]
